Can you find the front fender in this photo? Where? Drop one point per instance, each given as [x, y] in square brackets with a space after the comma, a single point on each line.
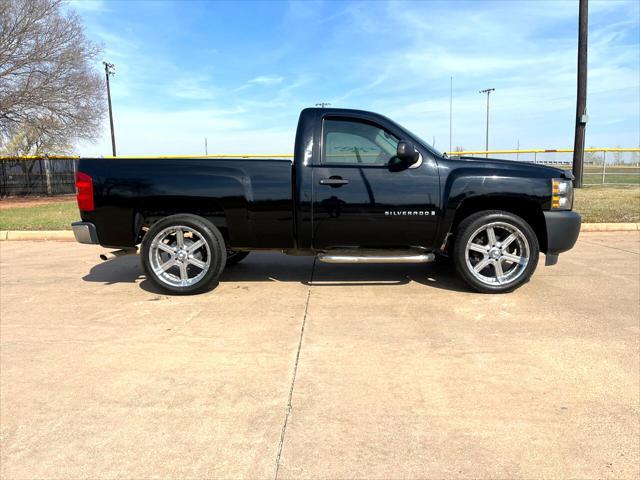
[478, 189]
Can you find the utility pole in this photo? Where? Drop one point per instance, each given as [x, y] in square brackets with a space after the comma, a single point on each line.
[450, 112]
[206, 147]
[109, 70]
[322, 104]
[581, 103]
[486, 144]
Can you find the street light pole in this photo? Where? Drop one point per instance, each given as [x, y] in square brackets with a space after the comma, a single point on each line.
[486, 145]
[109, 69]
[450, 112]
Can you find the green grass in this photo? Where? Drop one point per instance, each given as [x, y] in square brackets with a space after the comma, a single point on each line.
[55, 216]
[596, 205]
[632, 179]
[629, 175]
[611, 204]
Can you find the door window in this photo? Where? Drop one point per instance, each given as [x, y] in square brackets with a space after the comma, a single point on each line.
[346, 142]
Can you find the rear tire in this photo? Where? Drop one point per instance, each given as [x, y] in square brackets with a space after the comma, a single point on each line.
[234, 257]
[495, 251]
[183, 254]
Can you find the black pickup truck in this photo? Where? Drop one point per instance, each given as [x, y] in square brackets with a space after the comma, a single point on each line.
[360, 188]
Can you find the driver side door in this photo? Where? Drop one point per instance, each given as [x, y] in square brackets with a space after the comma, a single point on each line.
[363, 198]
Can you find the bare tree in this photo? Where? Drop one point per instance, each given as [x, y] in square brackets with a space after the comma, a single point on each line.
[593, 158]
[618, 157]
[50, 93]
[36, 138]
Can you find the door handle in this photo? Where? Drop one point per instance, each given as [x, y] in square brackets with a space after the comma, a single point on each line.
[333, 181]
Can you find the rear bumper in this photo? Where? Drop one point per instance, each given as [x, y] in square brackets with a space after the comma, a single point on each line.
[85, 232]
[563, 228]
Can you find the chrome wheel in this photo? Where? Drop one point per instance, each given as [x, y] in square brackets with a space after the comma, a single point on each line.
[497, 253]
[179, 256]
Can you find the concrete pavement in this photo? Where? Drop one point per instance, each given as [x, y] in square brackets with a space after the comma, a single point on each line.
[305, 370]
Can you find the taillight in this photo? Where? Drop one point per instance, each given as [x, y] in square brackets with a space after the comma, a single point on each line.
[84, 192]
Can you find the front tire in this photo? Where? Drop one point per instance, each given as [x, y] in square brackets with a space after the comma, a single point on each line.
[495, 251]
[183, 254]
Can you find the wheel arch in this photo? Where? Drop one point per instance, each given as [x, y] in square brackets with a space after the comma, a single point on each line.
[213, 212]
[527, 209]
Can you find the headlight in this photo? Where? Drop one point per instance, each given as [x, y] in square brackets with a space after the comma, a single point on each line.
[562, 194]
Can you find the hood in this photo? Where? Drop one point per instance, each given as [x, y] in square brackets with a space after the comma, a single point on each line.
[552, 171]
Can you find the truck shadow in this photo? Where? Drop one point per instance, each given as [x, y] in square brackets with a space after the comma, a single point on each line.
[276, 267]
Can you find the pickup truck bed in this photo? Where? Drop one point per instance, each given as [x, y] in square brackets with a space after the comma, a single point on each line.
[249, 200]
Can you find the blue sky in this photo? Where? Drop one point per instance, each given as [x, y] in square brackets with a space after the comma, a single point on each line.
[239, 73]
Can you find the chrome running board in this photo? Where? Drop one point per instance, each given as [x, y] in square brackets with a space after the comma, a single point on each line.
[376, 256]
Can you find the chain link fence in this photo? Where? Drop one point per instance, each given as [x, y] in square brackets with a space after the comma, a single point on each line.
[602, 166]
[55, 175]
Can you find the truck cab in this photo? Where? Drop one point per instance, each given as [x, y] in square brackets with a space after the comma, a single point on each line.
[361, 193]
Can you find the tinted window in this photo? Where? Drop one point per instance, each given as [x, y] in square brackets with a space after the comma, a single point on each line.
[357, 143]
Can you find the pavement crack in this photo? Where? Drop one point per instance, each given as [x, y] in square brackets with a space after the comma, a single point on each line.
[293, 377]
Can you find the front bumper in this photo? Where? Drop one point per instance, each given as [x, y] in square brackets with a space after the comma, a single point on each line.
[85, 232]
[563, 228]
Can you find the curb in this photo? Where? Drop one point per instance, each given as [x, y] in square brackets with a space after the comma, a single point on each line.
[67, 235]
[59, 235]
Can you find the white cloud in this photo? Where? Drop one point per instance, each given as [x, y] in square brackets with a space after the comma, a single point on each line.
[506, 46]
[141, 131]
[116, 47]
[399, 66]
[192, 88]
[89, 5]
[266, 80]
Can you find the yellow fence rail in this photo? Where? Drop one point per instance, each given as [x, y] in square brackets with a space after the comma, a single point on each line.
[538, 150]
[155, 157]
[288, 155]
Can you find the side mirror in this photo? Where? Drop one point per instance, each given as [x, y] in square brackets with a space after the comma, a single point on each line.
[407, 152]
